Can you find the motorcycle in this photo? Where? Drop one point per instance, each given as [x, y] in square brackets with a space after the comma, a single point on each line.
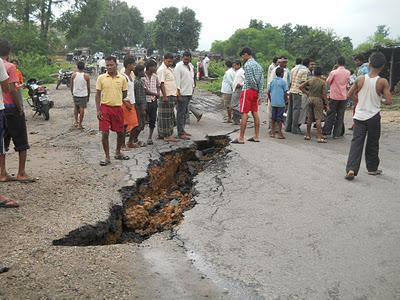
[38, 98]
[64, 77]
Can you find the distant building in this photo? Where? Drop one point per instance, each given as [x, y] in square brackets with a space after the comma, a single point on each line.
[138, 52]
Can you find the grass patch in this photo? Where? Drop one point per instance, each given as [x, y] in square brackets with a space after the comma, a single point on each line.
[395, 106]
[213, 86]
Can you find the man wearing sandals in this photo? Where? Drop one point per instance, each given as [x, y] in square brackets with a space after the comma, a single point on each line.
[111, 88]
[250, 97]
[367, 119]
[315, 89]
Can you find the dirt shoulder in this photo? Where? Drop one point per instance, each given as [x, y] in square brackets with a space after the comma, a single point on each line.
[73, 190]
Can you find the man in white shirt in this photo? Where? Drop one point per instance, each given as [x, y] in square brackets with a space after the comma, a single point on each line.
[101, 66]
[227, 88]
[237, 89]
[184, 77]
[206, 62]
[271, 67]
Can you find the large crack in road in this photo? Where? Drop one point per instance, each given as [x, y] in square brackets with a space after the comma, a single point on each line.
[155, 203]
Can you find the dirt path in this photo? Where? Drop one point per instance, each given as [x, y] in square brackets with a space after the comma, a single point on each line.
[74, 190]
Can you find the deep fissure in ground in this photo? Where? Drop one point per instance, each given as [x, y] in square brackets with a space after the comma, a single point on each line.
[156, 202]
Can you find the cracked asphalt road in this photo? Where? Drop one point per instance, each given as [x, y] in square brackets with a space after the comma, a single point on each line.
[274, 220]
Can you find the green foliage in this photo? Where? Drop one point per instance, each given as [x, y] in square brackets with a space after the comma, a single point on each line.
[38, 66]
[175, 31]
[379, 38]
[217, 68]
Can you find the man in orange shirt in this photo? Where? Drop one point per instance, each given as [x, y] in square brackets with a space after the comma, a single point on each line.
[20, 81]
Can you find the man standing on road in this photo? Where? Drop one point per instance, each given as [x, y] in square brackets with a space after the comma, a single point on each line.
[206, 62]
[80, 89]
[227, 89]
[184, 76]
[299, 76]
[166, 116]
[338, 80]
[152, 86]
[367, 119]
[237, 90]
[4, 201]
[111, 88]
[251, 95]
[15, 117]
[271, 67]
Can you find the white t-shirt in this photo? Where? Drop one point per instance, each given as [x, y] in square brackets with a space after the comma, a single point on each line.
[239, 78]
[184, 78]
[227, 82]
[131, 90]
[369, 102]
[3, 77]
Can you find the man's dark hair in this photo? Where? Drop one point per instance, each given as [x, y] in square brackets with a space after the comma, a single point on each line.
[228, 63]
[341, 61]
[359, 57]
[237, 62]
[298, 61]
[279, 72]
[14, 61]
[5, 47]
[186, 54]
[168, 56]
[246, 50]
[150, 63]
[306, 62]
[318, 71]
[111, 58]
[128, 60]
[377, 60]
[80, 65]
[275, 59]
[138, 69]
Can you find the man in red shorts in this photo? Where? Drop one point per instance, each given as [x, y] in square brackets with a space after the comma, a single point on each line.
[250, 96]
[111, 88]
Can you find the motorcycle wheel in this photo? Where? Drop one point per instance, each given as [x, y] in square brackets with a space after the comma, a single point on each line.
[58, 84]
[46, 111]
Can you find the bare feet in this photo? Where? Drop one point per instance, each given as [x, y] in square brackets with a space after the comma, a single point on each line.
[25, 178]
[170, 139]
[8, 202]
[7, 178]
[184, 137]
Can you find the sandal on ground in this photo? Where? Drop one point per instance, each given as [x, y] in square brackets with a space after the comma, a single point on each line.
[307, 138]
[350, 175]
[150, 142]
[322, 141]
[281, 137]
[132, 145]
[121, 157]
[9, 178]
[27, 180]
[6, 202]
[140, 144]
[105, 162]
[374, 173]
[272, 135]
[236, 141]
[252, 139]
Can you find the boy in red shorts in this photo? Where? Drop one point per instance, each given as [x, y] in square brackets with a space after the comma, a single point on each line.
[250, 96]
[111, 88]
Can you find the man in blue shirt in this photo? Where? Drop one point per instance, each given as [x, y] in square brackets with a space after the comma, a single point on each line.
[277, 92]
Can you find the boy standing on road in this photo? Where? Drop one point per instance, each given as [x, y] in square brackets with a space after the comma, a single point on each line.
[315, 89]
[140, 105]
[367, 119]
[152, 86]
[80, 89]
[277, 92]
[111, 88]
[227, 88]
[250, 97]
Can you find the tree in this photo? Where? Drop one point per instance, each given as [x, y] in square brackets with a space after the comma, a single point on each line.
[148, 37]
[256, 24]
[189, 30]
[379, 38]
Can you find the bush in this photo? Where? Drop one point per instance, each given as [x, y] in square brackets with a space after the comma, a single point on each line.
[217, 68]
[38, 66]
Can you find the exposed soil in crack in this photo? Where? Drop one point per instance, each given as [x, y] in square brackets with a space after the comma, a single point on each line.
[155, 203]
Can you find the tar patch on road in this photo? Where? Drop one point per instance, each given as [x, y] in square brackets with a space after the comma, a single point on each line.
[156, 202]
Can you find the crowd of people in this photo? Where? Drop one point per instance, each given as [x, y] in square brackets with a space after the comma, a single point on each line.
[159, 96]
[303, 95]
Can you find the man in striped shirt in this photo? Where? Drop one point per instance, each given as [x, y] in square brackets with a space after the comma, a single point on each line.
[251, 95]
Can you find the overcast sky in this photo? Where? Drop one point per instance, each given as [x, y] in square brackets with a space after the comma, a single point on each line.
[354, 18]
